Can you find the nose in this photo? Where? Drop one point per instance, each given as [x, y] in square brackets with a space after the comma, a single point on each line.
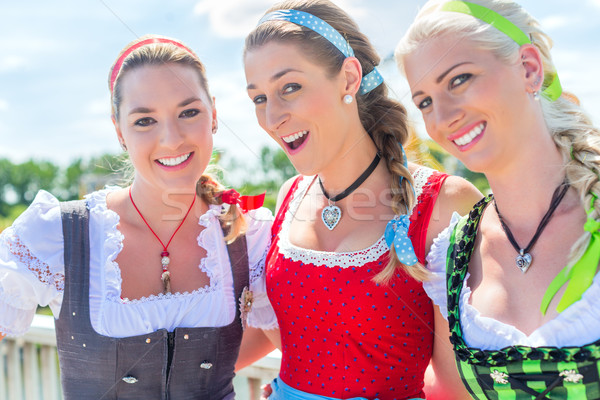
[275, 115]
[447, 112]
[172, 135]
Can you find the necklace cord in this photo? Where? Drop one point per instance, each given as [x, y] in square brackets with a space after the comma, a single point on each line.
[359, 181]
[152, 230]
[559, 194]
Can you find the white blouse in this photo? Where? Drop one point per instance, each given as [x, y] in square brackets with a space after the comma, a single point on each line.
[578, 325]
[32, 273]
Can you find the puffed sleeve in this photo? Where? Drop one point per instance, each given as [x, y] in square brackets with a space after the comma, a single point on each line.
[31, 265]
[435, 286]
[258, 237]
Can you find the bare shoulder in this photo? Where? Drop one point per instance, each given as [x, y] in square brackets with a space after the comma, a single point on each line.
[458, 194]
[283, 191]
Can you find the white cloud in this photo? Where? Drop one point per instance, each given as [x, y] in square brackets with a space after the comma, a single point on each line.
[12, 63]
[556, 21]
[3, 105]
[595, 3]
[232, 18]
[235, 18]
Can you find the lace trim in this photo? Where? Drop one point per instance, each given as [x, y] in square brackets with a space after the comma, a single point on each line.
[11, 333]
[257, 271]
[13, 299]
[421, 177]
[39, 268]
[165, 296]
[332, 259]
[323, 258]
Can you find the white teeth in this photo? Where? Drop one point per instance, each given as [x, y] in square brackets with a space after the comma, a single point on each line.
[467, 138]
[171, 162]
[295, 136]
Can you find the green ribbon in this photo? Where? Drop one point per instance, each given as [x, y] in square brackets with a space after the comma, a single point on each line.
[553, 88]
[581, 275]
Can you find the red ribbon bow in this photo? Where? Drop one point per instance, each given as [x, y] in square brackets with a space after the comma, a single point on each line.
[246, 203]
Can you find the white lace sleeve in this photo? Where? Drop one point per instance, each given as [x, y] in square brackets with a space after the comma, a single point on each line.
[435, 286]
[31, 265]
[258, 237]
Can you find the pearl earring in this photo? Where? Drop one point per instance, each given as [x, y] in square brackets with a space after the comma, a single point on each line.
[348, 99]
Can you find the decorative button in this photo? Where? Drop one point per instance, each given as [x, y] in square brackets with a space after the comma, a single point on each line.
[570, 375]
[206, 365]
[499, 377]
[130, 379]
[84, 345]
[72, 337]
[73, 314]
[186, 336]
[148, 340]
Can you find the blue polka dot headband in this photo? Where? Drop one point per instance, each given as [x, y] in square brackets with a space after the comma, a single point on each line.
[369, 81]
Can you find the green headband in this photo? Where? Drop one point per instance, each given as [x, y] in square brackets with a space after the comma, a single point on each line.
[554, 89]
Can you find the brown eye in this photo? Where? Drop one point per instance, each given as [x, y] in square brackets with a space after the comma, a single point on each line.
[189, 113]
[146, 121]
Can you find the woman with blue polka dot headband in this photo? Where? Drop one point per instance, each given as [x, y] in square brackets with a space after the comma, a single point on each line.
[345, 265]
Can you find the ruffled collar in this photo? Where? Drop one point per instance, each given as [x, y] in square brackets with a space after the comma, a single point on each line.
[209, 239]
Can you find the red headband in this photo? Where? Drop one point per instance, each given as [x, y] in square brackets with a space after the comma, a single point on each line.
[119, 63]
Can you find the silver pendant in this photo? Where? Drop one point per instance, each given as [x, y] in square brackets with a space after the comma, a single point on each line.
[331, 216]
[523, 261]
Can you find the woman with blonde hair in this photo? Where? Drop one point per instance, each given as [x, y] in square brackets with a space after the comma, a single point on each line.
[516, 277]
[352, 230]
[146, 281]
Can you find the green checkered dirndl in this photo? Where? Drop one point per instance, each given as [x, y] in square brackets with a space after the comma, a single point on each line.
[514, 372]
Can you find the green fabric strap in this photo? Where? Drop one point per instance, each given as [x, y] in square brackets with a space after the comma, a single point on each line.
[581, 275]
[489, 16]
[553, 88]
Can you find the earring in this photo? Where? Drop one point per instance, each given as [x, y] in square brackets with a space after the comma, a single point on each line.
[536, 95]
[347, 99]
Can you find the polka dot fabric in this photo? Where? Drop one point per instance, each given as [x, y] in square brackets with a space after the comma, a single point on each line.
[369, 82]
[344, 335]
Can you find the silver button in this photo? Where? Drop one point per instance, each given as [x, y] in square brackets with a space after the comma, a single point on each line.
[499, 377]
[570, 375]
[130, 379]
[206, 365]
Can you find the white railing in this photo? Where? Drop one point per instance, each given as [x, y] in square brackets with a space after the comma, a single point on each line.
[29, 367]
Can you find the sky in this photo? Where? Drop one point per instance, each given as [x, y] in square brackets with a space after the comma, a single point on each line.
[55, 57]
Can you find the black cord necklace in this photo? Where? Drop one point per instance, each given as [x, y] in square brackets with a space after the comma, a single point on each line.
[332, 214]
[524, 258]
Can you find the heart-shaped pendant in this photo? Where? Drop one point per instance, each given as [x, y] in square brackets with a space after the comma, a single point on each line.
[331, 215]
[523, 261]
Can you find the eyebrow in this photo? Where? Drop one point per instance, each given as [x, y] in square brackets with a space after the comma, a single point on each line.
[146, 110]
[442, 76]
[274, 77]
